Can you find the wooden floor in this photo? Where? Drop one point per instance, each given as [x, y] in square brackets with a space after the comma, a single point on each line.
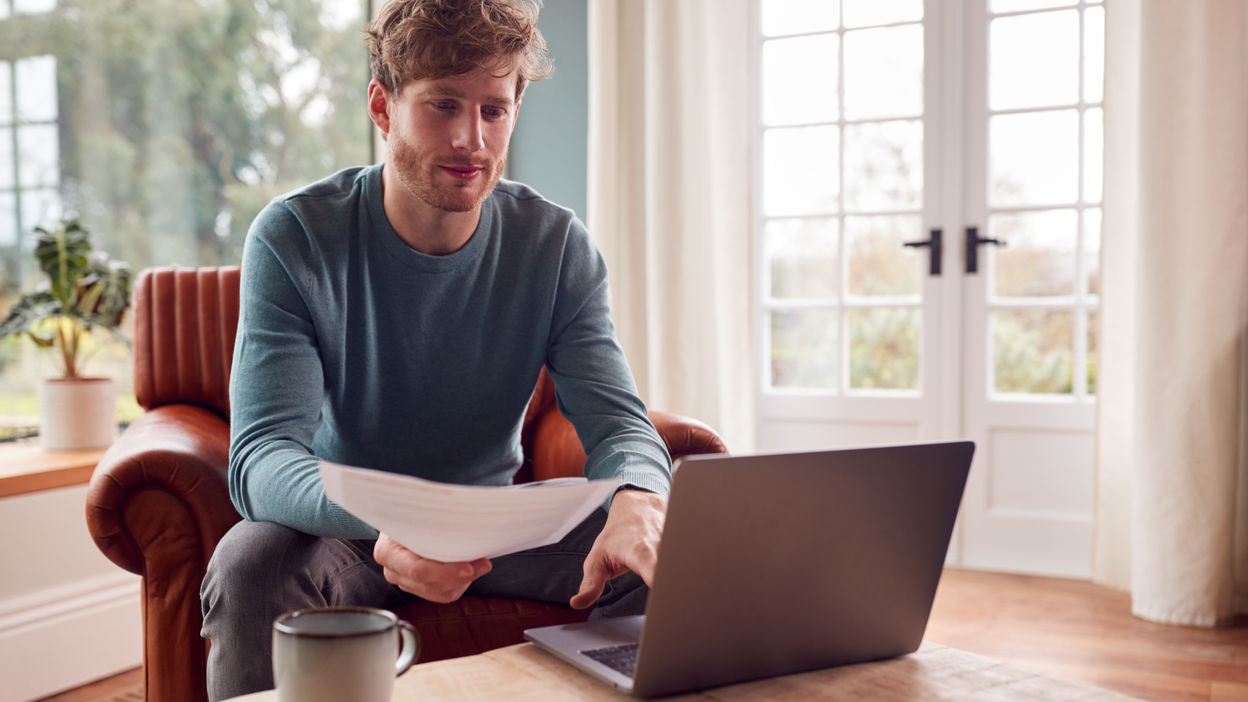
[1068, 628]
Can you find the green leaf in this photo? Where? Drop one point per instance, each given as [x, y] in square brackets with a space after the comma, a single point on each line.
[62, 255]
[28, 311]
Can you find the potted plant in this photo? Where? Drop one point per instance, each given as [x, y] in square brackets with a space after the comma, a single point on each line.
[85, 291]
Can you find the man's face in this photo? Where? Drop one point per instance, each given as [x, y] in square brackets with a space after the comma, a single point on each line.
[448, 137]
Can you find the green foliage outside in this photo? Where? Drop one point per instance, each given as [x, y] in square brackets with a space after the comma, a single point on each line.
[180, 120]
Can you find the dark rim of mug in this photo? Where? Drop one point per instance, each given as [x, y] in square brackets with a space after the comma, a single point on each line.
[281, 626]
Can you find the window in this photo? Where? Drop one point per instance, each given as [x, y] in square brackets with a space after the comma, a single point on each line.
[165, 132]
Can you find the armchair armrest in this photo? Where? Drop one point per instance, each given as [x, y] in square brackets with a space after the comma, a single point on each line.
[157, 505]
[163, 482]
[557, 450]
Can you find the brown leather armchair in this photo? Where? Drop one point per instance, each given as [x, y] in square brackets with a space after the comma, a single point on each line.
[158, 502]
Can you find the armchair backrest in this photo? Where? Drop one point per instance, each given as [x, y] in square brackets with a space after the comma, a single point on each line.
[185, 320]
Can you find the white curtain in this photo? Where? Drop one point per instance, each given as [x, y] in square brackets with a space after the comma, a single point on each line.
[1172, 451]
[670, 203]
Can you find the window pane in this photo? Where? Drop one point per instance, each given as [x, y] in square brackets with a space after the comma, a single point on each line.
[39, 155]
[1034, 60]
[884, 72]
[798, 16]
[1033, 351]
[884, 166]
[1093, 153]
[1094, 322]
[6, 90]
[6, 158]
[31, 7]
[884, 348]
[800, 170]
[1094, 54]
[799, 80]
[1033, 158]
[863, 13]
[1092, 249]
[1018, 5]
[804, 349]
[1039, 258]
[802, 258]
[8, 233]
[39, 207]
[878, 263]
[36, 89]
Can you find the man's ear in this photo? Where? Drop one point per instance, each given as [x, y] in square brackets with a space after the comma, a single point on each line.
[379, 105]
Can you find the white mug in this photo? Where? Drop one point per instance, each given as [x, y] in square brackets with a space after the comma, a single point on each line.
[331, 654]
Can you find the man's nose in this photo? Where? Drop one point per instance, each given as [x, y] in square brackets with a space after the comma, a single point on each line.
[467, 135]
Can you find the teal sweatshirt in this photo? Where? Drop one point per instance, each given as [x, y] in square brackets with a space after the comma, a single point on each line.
[355, 348]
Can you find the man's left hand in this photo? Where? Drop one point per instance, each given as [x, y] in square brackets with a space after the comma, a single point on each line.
[629, 541]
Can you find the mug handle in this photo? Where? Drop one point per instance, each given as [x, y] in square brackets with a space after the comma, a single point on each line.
[410, 650]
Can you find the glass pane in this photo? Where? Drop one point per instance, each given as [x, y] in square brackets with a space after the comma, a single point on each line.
[36, 88]
[1019, 5]
[804, 349]
[39, 207]
[800, 170]
[884, 348]
[878, 263]
[1094, 54]
[1093, 153]
[802, 258]
[1039, 257]
[6, 90]
[1092, 249]
[1033, 159]
[864, 13]
[39, 155]
[1032, 351]
[6, 158]
[798, 16]
[30, 7]
[8, 229]
[1094, 322]
[884, 72]
[799, 80]
[1033, 60]
[884, 166]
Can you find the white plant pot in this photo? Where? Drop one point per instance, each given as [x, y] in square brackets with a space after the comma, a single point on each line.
[77, 414]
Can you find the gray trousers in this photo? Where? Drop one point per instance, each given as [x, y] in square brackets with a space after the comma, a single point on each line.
[261, 570]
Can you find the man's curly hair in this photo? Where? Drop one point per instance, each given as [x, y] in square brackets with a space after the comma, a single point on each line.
[420, 39]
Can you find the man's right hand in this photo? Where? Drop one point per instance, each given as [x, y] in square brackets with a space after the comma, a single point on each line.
[427, 579]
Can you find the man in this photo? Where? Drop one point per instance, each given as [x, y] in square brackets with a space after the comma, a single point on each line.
[397, 317]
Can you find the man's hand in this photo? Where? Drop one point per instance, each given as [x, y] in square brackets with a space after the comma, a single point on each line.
[629, 541]
[427, 579]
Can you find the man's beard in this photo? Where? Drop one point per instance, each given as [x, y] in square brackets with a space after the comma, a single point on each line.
[418, 180]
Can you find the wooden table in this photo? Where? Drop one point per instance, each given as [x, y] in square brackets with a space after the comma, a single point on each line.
[934, 672]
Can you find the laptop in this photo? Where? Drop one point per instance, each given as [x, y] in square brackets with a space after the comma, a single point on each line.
[780, 563]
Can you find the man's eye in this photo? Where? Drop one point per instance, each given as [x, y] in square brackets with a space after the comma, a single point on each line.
[493, 113]
[443, 105]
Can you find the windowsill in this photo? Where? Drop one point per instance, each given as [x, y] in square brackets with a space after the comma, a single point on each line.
[26, 467]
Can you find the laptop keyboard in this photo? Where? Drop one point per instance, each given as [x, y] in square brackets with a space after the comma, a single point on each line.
[621, 659]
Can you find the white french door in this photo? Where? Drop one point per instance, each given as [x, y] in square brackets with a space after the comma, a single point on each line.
[928, 233]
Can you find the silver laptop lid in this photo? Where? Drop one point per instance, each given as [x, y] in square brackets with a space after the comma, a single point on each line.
[773, 564]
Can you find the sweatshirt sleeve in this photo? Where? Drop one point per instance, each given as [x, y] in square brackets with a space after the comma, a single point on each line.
[594, 386]
[276, 390]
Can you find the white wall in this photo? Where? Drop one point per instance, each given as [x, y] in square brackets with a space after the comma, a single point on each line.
[67, 614]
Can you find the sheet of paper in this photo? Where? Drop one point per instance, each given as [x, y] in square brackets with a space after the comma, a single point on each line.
[448, 522]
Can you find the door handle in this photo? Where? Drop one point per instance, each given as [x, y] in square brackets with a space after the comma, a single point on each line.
[934, 246]
[973, 241]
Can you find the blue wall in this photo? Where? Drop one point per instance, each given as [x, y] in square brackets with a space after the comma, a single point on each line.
[549, 149]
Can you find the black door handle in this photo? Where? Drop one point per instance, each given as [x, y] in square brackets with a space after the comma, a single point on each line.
[935, 249]
[973, 240]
